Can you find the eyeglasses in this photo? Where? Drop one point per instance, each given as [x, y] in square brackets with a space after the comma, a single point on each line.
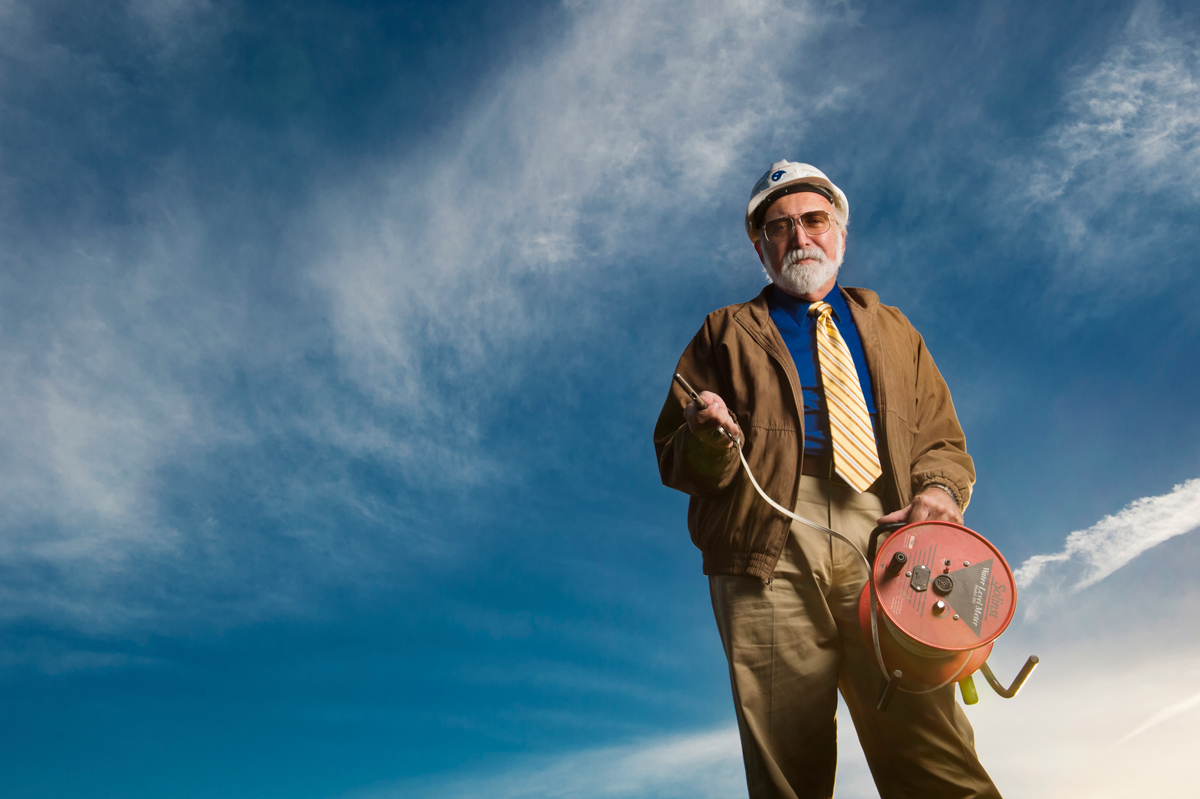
[783, 228]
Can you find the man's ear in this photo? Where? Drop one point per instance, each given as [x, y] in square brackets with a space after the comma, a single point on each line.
[758, 249]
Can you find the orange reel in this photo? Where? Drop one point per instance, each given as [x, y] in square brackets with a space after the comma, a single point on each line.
[939, 595]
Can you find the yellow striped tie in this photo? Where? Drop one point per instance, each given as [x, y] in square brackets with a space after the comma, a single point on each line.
[855, 455]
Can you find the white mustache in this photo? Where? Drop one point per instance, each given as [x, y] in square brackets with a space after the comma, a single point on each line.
[799, 254]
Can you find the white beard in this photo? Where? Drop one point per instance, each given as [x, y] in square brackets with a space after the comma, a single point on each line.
[798, 278]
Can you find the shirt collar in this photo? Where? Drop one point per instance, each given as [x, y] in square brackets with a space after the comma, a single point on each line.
[798, 309]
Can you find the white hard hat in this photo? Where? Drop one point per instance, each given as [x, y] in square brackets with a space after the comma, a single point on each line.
[786, 177]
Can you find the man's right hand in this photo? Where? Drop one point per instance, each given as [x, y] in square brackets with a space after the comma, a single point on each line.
[706, 424]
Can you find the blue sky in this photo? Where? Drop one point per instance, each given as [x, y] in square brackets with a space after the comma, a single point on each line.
[334, 334]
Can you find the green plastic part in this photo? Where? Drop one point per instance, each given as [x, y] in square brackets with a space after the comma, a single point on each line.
[969, 694]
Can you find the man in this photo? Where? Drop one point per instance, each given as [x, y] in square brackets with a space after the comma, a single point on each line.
[844, 417]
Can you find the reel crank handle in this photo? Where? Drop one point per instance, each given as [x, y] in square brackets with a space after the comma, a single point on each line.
[1010, 691]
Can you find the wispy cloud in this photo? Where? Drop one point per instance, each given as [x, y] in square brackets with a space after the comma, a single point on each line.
[1090, 555]
[104, 391]
[146, 361]
[638, 112]
[50, 657]
[1130, 137]
[696, 766]
[174, 23]
[1133, 121]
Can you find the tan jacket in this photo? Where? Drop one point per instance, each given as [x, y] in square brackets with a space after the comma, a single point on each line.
[739, 355]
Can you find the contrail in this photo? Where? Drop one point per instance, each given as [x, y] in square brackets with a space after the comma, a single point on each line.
[1161, 716]
[1115, 540]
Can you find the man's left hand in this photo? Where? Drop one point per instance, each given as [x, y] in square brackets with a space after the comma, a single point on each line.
[932, 504]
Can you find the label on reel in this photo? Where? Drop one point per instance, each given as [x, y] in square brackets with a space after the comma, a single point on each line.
[970, 597]
[971, 593]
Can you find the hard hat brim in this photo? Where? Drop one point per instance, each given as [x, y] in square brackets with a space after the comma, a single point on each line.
[808, 175]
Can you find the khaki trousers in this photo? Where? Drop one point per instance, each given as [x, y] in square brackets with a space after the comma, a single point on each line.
[793, 644]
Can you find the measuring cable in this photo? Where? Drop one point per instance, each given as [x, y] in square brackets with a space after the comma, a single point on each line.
[737, 442]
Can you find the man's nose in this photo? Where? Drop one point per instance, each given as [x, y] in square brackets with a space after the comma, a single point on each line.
[799, 234]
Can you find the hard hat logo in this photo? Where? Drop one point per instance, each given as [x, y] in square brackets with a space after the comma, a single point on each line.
[776, 175]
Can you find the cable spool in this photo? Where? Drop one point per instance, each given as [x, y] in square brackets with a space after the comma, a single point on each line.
[939, 595]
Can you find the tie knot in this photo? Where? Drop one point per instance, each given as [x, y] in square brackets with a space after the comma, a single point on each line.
[819, 309]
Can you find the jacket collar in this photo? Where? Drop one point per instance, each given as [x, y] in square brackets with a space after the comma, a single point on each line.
[755, 317]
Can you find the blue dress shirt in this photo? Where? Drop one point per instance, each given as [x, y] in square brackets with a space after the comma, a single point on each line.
[799, 334]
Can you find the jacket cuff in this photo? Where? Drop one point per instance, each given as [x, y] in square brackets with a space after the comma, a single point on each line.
[709, 462]
[961, 498]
